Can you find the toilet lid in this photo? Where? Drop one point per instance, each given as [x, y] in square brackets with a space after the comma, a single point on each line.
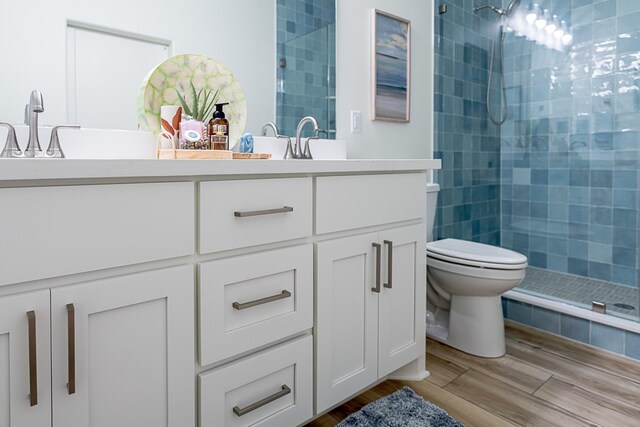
[476, 252]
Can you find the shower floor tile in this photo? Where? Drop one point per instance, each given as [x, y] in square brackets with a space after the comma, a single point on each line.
[581, 291]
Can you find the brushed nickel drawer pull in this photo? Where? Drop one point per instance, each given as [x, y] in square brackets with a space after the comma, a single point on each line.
[243, 214]
[245, 305]
[389, 283]
[71, 347]
[378, 247]
[259, 404]
[33, 360]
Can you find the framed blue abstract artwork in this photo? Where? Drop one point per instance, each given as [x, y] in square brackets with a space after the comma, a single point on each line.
[391, 65]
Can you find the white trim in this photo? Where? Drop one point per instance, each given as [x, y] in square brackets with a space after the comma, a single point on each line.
[560, 307]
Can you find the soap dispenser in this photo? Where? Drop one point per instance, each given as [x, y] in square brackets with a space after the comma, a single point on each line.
[219, 126]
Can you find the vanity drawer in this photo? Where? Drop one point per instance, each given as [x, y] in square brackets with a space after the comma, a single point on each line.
[236, 214]
[55, 231]
[252, 300]
[271, 388]
[350, 202]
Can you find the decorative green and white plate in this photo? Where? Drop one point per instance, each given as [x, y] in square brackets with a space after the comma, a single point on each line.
[162, 84]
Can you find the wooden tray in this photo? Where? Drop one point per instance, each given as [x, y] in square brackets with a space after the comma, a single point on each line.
[193, 154]
[262, 156]
[177, 154]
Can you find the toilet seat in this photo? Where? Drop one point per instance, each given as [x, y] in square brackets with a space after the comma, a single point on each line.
[473, 254]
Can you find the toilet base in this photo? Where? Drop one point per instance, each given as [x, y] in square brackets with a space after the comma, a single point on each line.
[476, 326]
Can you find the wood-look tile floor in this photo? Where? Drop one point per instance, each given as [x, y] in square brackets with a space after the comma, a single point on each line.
[543, 380]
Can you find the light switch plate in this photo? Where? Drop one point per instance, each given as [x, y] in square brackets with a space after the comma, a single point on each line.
[356, 122]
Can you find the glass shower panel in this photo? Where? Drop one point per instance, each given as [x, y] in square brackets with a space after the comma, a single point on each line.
[569, 158]
[306, 65]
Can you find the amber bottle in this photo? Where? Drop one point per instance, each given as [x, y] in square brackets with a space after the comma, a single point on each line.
[219, 129]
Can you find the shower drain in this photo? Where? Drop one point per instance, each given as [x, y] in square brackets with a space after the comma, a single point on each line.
[624, 306]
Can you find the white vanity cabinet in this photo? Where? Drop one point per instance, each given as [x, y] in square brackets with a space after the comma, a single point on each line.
[126, 344]
[370, 292]
[371, 287]
[117, 351]
[206, 293]
[25, 360]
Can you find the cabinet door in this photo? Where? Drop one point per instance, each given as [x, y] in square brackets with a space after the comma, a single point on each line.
[132, 340]
[346, 318]
[24, 346]
[402, 305]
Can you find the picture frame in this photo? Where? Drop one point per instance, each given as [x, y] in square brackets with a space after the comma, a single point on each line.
[390, 67]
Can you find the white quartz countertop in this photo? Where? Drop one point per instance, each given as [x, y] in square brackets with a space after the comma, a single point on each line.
[54, 169]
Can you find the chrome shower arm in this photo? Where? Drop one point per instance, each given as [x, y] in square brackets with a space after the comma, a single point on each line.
[496, 9]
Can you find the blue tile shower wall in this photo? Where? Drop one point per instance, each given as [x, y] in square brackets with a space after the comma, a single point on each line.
[306, 68]
[569, 150]
[467, 143]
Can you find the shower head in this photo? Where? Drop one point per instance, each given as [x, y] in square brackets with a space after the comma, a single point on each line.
[513, 5]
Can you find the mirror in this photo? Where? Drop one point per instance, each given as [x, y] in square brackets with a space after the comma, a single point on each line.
[88, 58]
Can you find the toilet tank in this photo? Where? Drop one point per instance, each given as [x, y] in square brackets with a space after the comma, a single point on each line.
[432, 201]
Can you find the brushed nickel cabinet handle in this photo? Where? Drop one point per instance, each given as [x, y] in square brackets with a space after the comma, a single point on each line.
[389, 283]
[71, 347]
[259, 404]
[245, 305]
[378, 259]
[243, 214]
[33, 360]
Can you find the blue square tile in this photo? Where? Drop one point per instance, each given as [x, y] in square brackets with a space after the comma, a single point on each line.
[624, 256]
[546, 319]
[575, 328]
[632, 345]
[601, 178]
[600, 271]
[519, 312]
[607, 337]
[578, 266]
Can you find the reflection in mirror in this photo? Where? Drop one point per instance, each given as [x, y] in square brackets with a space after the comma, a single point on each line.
[306, 73]
[89, 58]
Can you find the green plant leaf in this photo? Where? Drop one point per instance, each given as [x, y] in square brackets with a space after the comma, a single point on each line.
[183, 102]
[195, 102]
[204, 105]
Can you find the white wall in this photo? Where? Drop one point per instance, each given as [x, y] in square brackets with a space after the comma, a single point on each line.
[381, 139]
[239, 33]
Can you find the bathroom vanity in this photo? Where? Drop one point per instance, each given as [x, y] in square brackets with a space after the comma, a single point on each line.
[183, 293]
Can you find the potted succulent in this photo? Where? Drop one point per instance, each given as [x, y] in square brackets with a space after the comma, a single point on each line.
[194, 133]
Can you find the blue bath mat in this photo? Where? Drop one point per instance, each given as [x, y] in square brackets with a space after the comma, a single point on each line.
[403, 408]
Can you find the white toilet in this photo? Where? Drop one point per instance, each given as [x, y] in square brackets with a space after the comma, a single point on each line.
[464, 283]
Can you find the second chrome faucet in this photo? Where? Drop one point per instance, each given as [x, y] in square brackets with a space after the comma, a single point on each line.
[33, 150]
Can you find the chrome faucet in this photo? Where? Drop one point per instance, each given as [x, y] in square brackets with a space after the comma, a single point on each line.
[298, 153]
[267, 126]
[36, 106]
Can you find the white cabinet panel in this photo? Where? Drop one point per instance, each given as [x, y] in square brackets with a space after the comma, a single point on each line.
[346, 319]
[230, 323]
[402, 307]
[134, 350]
[351, 202]
[283, 376]
[16, 409]
[222, 229]
[91, 227]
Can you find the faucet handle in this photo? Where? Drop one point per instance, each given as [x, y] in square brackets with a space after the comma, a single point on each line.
[307, 149]
[54, 150]
[11, 148]
[288, 154]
